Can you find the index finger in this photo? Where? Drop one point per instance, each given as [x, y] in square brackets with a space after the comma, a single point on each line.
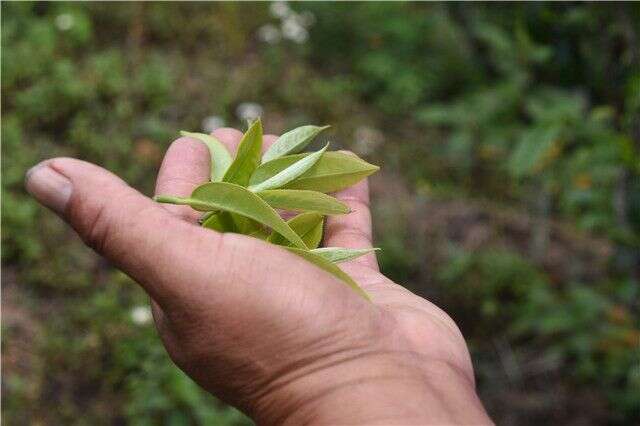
[231, 139]
[185, 166]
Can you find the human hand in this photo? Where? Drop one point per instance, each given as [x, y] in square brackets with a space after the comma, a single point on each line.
[259, 327]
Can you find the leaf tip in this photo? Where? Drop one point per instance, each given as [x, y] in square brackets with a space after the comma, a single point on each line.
[372, 168]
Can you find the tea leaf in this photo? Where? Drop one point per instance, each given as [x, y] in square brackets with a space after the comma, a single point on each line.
[230, 222]
[292, 142]
[261, 234]
[236, 199]
[339, 254]
[290, 173]
[332, 172]
[233, 222]
[248, 156]
[324, 264]
[213, 222]
[244, 225]
[220, 157]
[307, 225]
[302, 200]
[205, 216]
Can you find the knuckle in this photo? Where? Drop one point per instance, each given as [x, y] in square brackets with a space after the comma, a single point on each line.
[227, 132]
[356, 202]
[179, 183]
[99, 220]
[94, 226]
[192, 145]
[354, 234]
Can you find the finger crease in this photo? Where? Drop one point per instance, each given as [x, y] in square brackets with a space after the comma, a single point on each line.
[349, 232]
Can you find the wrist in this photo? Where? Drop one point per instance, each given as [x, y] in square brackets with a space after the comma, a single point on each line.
[374, 388]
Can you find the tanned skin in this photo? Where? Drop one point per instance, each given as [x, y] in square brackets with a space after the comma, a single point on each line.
[259, 327]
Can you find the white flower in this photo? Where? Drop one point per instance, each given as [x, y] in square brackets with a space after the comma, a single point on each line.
[280, 9]
[307, 18]
[292, 29]
[211, 123]
[248, 111]
[269, 34]
[64, 21]
[141, 315]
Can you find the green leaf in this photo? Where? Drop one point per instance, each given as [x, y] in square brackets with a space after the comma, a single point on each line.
[222, 221]
[307, 225]
[290, 173]
[234, 198]
[302, 200]
[261, 234]
[248, 156]
[292, 142]
[333, 171]
[533, 150]
[240, 224]
[339, 254]
[324, 264]
[213, 222]
[220, 157]
[205, 216]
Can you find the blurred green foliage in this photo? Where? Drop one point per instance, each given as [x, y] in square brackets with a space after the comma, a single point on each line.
[510, 192]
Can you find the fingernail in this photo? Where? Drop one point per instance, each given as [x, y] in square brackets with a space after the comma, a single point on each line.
[49, 187]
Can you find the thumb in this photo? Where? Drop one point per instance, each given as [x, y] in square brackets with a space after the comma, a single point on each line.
[117, 221]
[178, 263]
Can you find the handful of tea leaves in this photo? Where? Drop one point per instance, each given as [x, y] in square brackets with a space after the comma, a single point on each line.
[245, 191]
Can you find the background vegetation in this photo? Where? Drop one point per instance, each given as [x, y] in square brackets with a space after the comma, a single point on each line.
[509, 195]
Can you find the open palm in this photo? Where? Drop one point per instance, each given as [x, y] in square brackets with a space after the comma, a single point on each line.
[260, 327]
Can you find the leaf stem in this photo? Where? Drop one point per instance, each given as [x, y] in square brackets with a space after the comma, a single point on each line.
[169, 199]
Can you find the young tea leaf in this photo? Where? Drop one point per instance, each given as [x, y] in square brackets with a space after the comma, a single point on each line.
[261, 234]
[220, 157]
[302, 200]
[324, 264]
[332, 172]
[308, 226]
[205, 216]
[222, 221]
[248, 156]
[244, 194]
[292, 142]
[339, 254]
[290, 173]
[213, 221]
[243, 224]
[236, 199]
